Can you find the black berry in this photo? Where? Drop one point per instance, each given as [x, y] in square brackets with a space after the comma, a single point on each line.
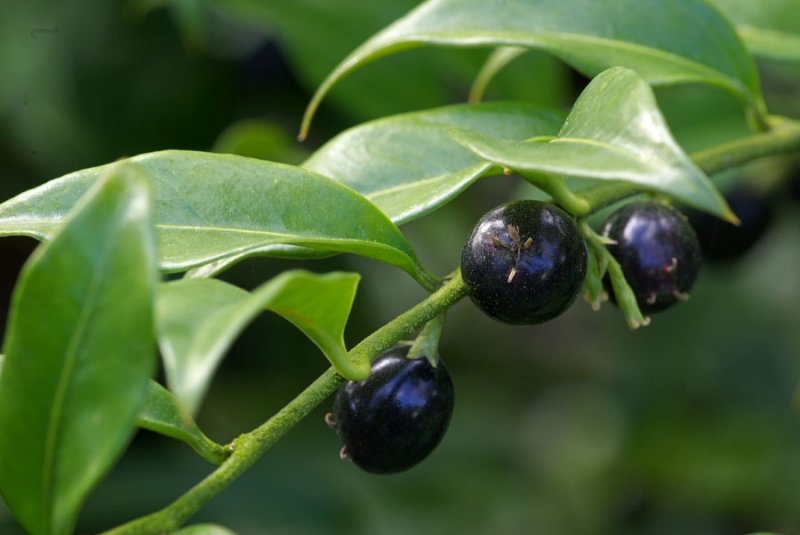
[524, 262]
[394, 418]
[722, 241]
[657, 251]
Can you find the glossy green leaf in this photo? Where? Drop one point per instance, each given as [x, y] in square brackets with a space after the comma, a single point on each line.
[79, 353]
[769, 28]
[198, 320]
[614, 132]
[162, 414]
[408, 165]
[667, 42]
[204, 529]
[214, 206]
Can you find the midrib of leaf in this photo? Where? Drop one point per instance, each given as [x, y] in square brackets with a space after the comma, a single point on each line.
[607, 147]
[232, 230]
[54, 421]
[546, 38]
[582, 141]
[469, 171]
[238, 230]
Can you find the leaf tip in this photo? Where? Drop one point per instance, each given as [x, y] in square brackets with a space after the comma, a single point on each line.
[730, 217]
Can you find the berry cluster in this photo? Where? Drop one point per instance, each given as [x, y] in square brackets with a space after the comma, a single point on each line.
[525, 263]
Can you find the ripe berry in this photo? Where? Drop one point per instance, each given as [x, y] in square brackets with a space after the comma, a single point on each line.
[394, 418]
[657, 251]
[723, 241]
[524, 262]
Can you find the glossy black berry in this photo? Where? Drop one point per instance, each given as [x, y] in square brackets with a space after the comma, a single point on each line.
[524, 262]
[657, 251]
[722, 241]
[394, 418]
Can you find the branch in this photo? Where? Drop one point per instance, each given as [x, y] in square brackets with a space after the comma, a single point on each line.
[248, 448]
[783, 137]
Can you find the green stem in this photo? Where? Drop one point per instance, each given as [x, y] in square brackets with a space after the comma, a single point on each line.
[783, 137]
[626, 300]
[248, 448]
[556, 187]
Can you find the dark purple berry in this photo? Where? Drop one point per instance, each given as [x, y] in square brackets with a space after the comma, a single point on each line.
[394, 418]
[722, 241]
[657, 251]
[524, 262]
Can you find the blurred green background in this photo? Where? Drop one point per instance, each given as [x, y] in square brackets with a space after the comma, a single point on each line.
[579, 426]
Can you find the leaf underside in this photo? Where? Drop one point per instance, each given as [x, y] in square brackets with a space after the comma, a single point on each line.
[161, 413]
[199, 319]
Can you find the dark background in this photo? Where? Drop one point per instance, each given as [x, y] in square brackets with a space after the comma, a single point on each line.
[579, 426]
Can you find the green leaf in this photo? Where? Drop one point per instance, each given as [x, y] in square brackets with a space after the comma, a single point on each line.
[204, 529]
[79, 353]
[408, 165]
[666, 42]
[162, 414]
[769, 28]
[198, 320]
[614, 133]
[214, 206]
